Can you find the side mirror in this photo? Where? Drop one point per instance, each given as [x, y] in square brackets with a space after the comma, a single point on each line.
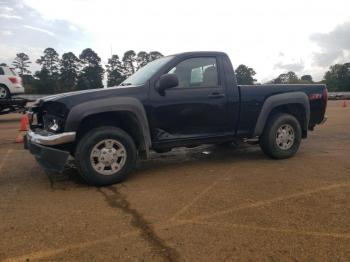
[165, 82]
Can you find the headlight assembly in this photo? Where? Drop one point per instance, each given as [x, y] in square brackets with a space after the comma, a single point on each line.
[53, 123]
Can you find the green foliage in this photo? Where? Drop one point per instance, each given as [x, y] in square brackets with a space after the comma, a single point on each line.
[21, 63]
[154, 55]
[292, 78]
[337, 78]
[245, 75]
[129, 62]
[118, 71]
[114, 71]
[69, 72]
[50, 62]
[45, 83]
[142, 59]
[307, 79]
[49, 74]
[72, 73]
[28, 82]
[91, 75]
[286, 78]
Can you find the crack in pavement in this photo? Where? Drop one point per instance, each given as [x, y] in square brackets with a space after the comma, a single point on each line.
[42, 254]
[117, 200]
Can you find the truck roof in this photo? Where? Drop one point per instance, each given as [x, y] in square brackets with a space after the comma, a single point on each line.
[200, 53]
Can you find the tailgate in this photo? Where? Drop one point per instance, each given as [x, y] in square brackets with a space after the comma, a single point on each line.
[318, 97]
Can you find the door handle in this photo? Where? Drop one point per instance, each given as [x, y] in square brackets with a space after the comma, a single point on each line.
[216, 95]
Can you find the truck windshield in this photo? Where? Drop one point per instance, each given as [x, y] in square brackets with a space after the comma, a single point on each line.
[146, 72]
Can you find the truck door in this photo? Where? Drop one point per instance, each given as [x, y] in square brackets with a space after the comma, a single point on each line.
[197, 107]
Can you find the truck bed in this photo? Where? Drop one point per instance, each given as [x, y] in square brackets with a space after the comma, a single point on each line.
[254, 96]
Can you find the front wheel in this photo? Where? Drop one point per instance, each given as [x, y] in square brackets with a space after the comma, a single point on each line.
[105, 155]
[281, 137]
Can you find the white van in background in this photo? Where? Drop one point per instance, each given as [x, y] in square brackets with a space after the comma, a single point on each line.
[10, 83]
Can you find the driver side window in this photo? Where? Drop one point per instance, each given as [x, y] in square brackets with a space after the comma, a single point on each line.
[196, 72]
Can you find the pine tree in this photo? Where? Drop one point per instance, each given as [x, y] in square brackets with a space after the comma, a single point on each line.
[21, 63]
[91, 75]
[50, 61]
[154, 55]
[129, 60]
[142, 59]
[69, 71]
[48, 76]
[114, 71]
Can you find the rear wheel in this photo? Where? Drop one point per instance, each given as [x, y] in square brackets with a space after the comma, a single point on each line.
[281, 137]
[105, 155]
[4, 92]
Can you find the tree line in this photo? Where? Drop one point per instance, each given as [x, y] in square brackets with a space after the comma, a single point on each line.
[245, 76]
[69, 72]
[337, 78]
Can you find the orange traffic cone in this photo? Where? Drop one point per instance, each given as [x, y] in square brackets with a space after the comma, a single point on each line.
[23, 127]
[20, 138]
[24, 123]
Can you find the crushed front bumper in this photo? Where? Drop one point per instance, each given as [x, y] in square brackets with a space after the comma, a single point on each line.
[47, 156]
[51, 139]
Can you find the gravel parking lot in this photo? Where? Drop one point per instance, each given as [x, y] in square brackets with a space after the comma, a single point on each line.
[202, 204]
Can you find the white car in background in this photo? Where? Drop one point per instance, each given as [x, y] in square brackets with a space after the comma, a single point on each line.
[10, 83]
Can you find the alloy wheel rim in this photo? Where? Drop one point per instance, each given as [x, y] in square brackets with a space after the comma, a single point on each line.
[3, 92]
[108, 157]
[285, 137]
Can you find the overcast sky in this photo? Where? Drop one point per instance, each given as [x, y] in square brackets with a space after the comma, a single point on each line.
[271, 36]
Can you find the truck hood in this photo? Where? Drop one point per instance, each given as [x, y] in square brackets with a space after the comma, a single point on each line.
[71, 99]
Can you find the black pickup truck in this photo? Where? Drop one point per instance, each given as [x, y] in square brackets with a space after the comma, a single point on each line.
[186, 99]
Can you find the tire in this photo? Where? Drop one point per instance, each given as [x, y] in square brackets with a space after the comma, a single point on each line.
[276, 140]
[99, 156]
[4, 92]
